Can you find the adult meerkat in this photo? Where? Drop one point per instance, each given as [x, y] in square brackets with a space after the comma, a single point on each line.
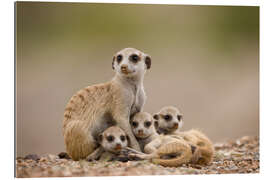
[166, 121]
[95, 108]
[111, 142]
[169, 120]
[165, 150]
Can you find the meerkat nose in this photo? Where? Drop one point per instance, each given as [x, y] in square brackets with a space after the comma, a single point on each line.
[124, 67]
[175, 125]
[140, 131]
[118, 146]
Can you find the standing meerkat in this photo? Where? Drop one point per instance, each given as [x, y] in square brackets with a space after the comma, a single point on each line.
[95, 108]
[169, 120]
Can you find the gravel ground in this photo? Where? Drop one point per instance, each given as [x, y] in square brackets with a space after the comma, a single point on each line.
[237, 156]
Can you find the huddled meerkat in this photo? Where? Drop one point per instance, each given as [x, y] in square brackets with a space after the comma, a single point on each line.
[165, 150]
[170, 115]
[204, 147]
[169, 120]
[142, 125]
[111, 141]
[95, 108]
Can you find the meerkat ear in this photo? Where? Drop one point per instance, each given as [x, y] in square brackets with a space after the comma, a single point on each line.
[100, 137]
[155, 116]
[148, 62]
[113, 62]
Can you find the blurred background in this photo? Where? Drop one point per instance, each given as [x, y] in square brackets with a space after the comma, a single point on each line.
[205, 61]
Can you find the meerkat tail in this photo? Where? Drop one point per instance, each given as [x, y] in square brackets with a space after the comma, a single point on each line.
[206, 155]
[173, 154]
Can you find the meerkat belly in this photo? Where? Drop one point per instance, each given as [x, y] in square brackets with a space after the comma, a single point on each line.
[137, 104]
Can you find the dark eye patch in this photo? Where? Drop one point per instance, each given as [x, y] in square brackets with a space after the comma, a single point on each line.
[134, 58]
[110, 138]
[123, 138]
[134, 124]
[167, 117]
[155, 116]
[179, 117]
[147, 124]
[119, 58]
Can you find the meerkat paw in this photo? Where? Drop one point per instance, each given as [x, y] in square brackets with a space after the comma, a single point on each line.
[91, 158]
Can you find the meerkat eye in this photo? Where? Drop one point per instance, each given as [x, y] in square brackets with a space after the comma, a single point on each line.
[155, 116]
[134, 124]
[123, 138]
[119, 58]
[134, 58]
[168, 117]
[110, 138]
[147, 124]
[179, 117]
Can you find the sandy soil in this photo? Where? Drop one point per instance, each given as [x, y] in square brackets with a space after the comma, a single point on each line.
[235, 156]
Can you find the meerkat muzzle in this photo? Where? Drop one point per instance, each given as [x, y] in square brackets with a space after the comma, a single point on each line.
[124, 69]
[175, 126]
[118, 147]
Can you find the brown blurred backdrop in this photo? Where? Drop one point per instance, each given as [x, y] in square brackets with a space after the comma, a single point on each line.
[205, 61]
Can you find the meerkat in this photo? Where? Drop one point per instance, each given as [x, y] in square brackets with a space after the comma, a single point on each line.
[169, 120]
[204, 147]
[111, 142]
[95, 108]
[142, 125]
[165, 150]
[166, 121]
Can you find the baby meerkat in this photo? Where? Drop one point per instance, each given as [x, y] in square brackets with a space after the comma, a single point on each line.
[165, 150]
[166, 123]
[204, 147]
[95, 108]
[169, 120]
[112, 141]
[142, 125]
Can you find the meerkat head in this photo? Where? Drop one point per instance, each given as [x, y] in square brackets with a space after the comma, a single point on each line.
[142, 125]
[131, 62]
[113, 139]
[168, 120]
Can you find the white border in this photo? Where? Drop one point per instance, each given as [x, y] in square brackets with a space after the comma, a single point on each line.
[7, 83]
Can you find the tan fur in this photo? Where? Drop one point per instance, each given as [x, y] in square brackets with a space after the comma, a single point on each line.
[171, 125]
[157, 146]
[94, 108]
[204, 147]
[107, 149]
[177, 143]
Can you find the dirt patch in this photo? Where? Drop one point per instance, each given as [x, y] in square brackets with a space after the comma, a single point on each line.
[238, 156]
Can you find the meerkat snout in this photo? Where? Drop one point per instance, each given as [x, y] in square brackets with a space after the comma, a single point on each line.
[168, 120]
[131, 62]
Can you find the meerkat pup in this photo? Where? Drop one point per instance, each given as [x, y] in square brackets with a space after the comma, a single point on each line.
[204, 147]
[165, 150]
[111, 141]
[95, 108]
[169, 120]
[142, 125]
